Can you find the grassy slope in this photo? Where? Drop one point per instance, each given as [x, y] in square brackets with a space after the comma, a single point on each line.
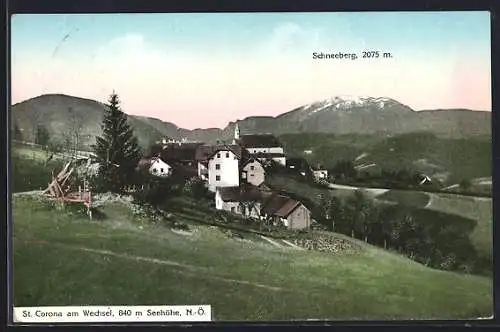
[243, 281]
[29, 171]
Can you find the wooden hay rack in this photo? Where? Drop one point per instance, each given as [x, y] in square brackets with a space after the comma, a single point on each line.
[59, 190]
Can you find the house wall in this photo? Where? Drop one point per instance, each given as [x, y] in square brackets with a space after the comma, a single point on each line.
[280, 160]
[203, 171]
[300, 218]
[265, 150]
[244, 209]
[256, 175]
[228, 172]
[160, 168]
[322, 174]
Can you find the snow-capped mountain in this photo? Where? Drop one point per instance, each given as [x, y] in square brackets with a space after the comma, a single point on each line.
[350, 102]
[337, 115]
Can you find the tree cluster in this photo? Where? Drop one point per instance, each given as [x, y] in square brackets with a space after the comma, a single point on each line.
[426, 236]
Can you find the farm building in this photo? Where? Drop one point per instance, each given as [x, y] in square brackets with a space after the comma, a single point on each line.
[319, 172]
[290, 212]
[244, 200]
[262, 146]
[253, 172]
[155, 166]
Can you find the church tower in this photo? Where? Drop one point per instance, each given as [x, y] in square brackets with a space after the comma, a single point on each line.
[236, 134]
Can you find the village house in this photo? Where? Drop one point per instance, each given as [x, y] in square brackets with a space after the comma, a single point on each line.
[253, 172]
[224, 167]
[244, 200]
[181, 153]
[291, 213]
[262, 146]
[155, 166]
[319, 172]
[260, 203]
[203, 154]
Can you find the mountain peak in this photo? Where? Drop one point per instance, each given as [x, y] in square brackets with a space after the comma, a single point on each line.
[349, 101]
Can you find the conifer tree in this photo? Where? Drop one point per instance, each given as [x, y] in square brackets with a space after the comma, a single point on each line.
[117, 150]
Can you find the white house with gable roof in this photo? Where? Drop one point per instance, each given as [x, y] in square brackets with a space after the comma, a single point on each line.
[223, 168]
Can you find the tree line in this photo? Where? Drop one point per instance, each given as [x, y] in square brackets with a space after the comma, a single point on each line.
[435, 239]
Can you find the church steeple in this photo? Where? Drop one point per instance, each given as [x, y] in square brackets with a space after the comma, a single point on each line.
[236, 134]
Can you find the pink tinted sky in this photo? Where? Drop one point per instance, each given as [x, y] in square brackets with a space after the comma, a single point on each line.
[208, 89]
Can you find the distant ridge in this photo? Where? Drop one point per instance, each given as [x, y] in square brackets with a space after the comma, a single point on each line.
[337, 115]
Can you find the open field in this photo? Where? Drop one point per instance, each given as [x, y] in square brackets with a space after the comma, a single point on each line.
[65, 259]
[30, 171]
[406, 198]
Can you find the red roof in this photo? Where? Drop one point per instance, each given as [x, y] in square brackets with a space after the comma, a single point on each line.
[280, 206]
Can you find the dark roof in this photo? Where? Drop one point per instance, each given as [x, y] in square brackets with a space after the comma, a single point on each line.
[249, 158]
[180, 152]
[236, 149]
[144, 164]
[268, 155]
[280, 205]
[182, 171]
[259, 141]
[243, 193]
[203, 152]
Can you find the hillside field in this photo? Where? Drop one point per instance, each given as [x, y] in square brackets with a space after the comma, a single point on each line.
[448, 159]
[62, 258]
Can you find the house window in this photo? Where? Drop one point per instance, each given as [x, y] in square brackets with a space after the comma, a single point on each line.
[217, 178]
[218, 155]
[254, 151]
[161, 170]
[252, 174]
[154, 170]
[227, 154]
[233, 210]
[252, 168]
[217, 166]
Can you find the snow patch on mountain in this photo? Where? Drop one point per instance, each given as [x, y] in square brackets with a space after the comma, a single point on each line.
[346, 102]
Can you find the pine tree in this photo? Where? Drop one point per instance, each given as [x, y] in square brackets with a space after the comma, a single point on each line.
[117, 150]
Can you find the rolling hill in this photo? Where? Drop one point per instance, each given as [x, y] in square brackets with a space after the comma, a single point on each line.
[448, 159]
[339, 115]
[62, 258]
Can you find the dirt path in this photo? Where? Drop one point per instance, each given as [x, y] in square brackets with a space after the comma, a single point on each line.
[292, 245]
[274, 243]
[193, 270]
[375, 191]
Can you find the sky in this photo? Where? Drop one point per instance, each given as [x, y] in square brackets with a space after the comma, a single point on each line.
[204, 70]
